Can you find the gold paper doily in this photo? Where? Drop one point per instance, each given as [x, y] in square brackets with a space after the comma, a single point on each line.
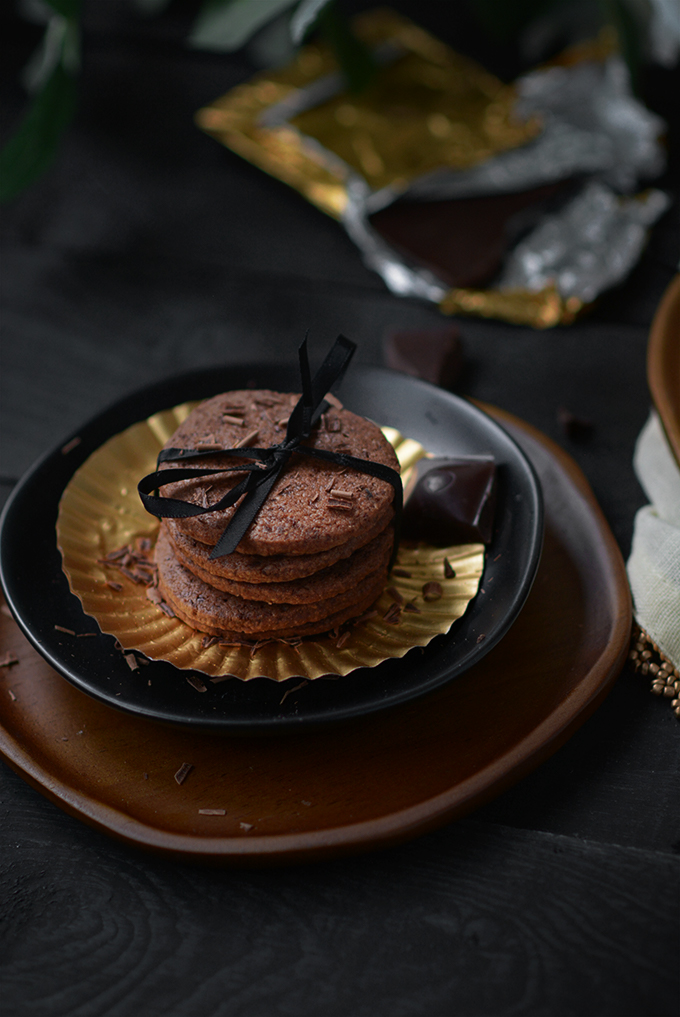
[100, 511]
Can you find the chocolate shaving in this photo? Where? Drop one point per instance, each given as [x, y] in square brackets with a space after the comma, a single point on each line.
[449, 571]
[131, 661]
[401, 573]
[366, 616]
[208, 641]
[8, 660]
[395, 594]
[411, 608]
[333, 400]
[196, 683]
[212, 812]
[60, 628]
[259, 644]
[343, 640]
[246, 826]
[248, 440]
[11, 695]
[236, 421]
[85, 635]
[432, 591]
[392, 614]
[289, 692]
[481, 636]
[70, 445]
[166, 609]
[183, 772]
[132, 576]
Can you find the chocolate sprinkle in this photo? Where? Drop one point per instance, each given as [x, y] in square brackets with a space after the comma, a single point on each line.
[183, 772]
[196, 683]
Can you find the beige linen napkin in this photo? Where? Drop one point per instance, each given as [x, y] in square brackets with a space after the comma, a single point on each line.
[654, 563]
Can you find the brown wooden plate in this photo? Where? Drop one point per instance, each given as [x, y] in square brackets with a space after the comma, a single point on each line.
[358, 785]
[663, 364]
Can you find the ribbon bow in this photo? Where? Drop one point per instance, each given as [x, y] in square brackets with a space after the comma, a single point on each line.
[269, 463]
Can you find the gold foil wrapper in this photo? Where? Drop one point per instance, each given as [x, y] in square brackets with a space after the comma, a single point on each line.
[100, 511]
[427, 108]
[543, 309]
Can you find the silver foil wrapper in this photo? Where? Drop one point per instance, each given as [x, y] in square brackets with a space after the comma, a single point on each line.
[588, 246]
[593, 128]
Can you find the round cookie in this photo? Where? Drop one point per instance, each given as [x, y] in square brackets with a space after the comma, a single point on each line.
[329, 582]
[255, 568]
[314, 506]
[218, 613]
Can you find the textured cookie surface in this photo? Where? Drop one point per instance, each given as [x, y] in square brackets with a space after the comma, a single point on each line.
[215, 612]
[257, 568]
[329, 582]
[314, 506]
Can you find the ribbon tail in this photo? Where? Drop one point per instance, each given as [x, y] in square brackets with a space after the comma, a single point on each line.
[245, 514]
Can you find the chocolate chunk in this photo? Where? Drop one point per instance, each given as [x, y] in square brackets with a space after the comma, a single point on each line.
[575, 428]
[433, 354]
[461, 240]
[450, 501]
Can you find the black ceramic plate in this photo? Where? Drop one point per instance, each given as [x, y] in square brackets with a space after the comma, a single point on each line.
[39, 596]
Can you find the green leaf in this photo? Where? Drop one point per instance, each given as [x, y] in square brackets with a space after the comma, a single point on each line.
[305, 18]
[225, 25]
[630, 35]
[33, 146]
[354, 58]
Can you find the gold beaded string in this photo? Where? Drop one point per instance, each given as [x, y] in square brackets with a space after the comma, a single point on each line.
[648, 659]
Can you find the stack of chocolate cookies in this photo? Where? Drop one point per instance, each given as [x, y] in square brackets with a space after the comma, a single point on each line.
[317, 553]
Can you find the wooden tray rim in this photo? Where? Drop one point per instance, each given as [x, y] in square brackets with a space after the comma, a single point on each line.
[485, 784]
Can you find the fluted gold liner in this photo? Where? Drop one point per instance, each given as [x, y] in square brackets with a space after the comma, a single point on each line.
[100, 511]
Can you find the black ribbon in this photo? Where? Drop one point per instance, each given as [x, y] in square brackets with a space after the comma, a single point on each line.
[269, 463]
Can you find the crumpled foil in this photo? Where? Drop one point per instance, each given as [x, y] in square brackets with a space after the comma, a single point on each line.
[436, 126]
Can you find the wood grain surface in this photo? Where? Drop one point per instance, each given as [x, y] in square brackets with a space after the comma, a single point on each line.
[147, 249]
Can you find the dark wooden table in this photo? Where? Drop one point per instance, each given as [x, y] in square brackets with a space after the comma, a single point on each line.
[147, 250]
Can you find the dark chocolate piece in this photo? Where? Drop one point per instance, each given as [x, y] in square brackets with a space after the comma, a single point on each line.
[433, 354]
[575, 428]
[450, 501]
[461, 240]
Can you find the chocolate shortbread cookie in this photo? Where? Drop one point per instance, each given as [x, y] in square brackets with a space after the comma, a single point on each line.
[256, 568]
[218, 613]
[314, 506]
[329, 582]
